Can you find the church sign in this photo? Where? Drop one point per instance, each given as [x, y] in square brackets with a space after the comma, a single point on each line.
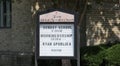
[56, 34]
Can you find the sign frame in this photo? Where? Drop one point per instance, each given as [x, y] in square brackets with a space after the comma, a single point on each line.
[37, 33]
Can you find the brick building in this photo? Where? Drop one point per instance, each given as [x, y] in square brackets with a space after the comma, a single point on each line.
[17, 29]
[103, 23]
[16, 34]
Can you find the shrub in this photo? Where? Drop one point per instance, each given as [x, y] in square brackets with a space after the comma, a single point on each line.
[113, 55]
[102, 55]
[92, 55]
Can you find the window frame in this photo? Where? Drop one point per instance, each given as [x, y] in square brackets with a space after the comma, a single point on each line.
[5, 15]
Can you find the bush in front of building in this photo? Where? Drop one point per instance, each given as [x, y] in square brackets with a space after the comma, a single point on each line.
[102, 55]
[92, 55]
[113, 55]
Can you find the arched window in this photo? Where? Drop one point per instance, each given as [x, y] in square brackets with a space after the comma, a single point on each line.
[5, 13]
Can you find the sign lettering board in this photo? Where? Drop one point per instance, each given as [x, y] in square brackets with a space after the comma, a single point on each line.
[56, 33]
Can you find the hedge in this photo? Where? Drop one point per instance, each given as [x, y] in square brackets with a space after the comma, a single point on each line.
[102, 55]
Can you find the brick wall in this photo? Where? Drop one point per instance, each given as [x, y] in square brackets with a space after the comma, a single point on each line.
[103, 23]
[16, 59]
[19, 38]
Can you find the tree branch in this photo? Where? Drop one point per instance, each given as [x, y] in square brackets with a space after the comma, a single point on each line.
[83, 13]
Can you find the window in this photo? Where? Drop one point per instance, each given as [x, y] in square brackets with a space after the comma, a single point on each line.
[5, 13]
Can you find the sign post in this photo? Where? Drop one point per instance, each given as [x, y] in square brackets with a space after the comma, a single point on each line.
[56, 36]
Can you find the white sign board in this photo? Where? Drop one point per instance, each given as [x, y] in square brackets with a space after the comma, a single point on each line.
[56, 34]
[56, 40]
